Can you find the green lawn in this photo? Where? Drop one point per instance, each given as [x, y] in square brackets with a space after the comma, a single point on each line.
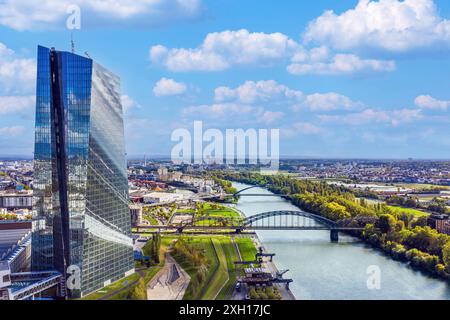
[231, 256]
[151, 219]
[220, 276]
[421, 186]
[185, 211]
[201, 244]
[246, 248]
[225, 213]
[217, 210]
[415, 212]
[113, 287]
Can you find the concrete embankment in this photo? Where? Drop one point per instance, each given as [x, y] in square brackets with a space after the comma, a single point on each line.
[285, 292]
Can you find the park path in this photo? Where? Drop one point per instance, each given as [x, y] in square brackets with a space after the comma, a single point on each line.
[170, 283]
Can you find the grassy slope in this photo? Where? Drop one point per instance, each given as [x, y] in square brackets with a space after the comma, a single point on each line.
[220, 276]
[231, 257]
[151, 219]
[415, 212]
[246, 248]
[201, 244]
[222, 211]
[113, 287]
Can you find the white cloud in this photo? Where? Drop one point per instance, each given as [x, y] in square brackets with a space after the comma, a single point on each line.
[128, 103]
[269, 92]
[50, 14]
[260, 91]
[16, 104]
[327, 102]
[13, 131]
[169, 87]
[17, 75]
[220, 110]
[387, 25]
[428, 102]
[5, 51]
[235, 112]
[341, 64]
[222, 50]
[390, 117]
[269, 117]
[302, 128]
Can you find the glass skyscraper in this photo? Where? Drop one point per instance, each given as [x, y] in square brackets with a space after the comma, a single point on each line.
[81, 218]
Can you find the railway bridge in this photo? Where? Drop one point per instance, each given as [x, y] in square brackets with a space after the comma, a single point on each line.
[271, 220]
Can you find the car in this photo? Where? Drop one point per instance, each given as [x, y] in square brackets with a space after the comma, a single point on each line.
[238, 286]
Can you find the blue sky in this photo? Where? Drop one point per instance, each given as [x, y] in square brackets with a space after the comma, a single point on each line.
[366, 79]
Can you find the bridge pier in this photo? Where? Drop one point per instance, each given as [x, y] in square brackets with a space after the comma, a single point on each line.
[334, 235]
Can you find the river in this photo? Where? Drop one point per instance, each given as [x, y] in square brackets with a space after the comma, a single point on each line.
[322, 270]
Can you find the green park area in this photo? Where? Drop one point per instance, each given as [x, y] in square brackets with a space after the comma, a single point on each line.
[246, 248]
[213, 213]
[151, 220]
[217, 210]
[409, 211]
[209, 261]
[124, 289]
[421, 186]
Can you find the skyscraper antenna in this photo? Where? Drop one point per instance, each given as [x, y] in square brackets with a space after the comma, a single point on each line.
[72, 42]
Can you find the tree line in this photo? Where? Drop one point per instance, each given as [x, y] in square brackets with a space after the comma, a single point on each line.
[196, 258]
[402, 235]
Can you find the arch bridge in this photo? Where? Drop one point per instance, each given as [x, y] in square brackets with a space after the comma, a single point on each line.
[245, 189]
[272, 220]
[240, 193]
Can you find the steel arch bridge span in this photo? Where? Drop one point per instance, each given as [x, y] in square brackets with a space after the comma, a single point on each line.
[245, 189]
[272, 220]
[250, 221]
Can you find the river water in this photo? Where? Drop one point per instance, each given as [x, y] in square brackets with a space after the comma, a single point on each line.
[324, 270]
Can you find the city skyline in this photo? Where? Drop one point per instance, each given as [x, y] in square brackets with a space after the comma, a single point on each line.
[379, 92]
[241, 152]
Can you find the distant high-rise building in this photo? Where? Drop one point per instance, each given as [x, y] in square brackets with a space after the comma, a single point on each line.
[80, 208]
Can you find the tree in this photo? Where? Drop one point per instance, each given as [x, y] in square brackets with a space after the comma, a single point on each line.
[386, 223]
[420, 222]
[139, 292]
[411, 202]
[446, 256]
[438, 205]
[156, 247]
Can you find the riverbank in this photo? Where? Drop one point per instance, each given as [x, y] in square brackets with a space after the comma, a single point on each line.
[322, 270]
[400, 235]
[286, 293]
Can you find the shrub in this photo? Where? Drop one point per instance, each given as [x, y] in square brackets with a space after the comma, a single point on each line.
[139, 292]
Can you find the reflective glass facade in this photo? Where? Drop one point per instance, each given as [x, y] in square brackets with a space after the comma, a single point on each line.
[80, 207]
